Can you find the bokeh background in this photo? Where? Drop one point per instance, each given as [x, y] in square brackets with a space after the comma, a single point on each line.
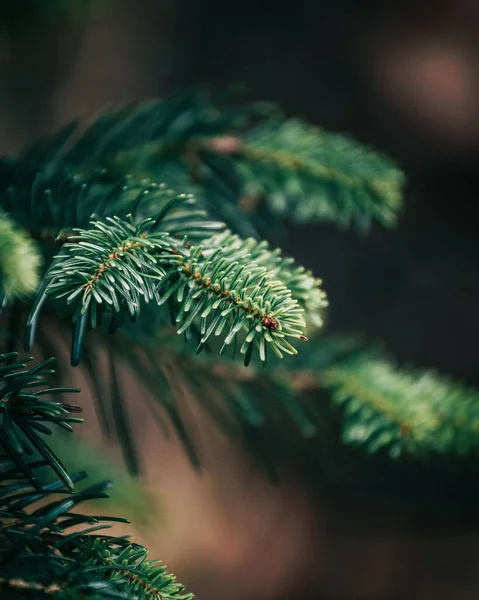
[400, 75]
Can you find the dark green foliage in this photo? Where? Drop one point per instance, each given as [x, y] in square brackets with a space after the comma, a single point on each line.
[213, 291]
[24, 414]
[304, 286]
[246, 164]
[310, 175]
[117, 266]
[47, 548]
[51, 201]
[148, 223]
[135, 256]
[405, 411]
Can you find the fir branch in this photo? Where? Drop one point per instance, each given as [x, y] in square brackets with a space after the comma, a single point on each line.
[230, 157]
[310, 175]
[302, 172]
[227, 282]
[304, 286]
[20, 262]
[25, 414]
[47, 549]
[404, 411]
[117, 266]
[127, 139]
[145, 578]
[384, 407]
[49, 201]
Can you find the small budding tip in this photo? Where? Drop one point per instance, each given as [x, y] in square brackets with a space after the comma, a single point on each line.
[303, 337]
[270, 323]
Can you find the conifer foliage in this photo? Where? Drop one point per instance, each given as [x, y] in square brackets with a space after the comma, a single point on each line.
[159, 219]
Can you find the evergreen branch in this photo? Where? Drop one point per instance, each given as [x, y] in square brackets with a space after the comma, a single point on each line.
[116, 266]
[309, 175]
[153, 141]
[110, 267]
[403, 411]
[305, 288]
[49, 201]
[226, 283]
[127, 138]
[118, 262]
[46, 548]
[144, 578]
[44, 200]
[24, 414]
[303, 173]
[39, 555]
[20, 262]
[231, 157]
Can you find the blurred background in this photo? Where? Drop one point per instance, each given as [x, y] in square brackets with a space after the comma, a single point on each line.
[400, 75]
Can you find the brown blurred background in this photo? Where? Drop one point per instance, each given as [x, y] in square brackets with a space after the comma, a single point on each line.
[401, 75]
